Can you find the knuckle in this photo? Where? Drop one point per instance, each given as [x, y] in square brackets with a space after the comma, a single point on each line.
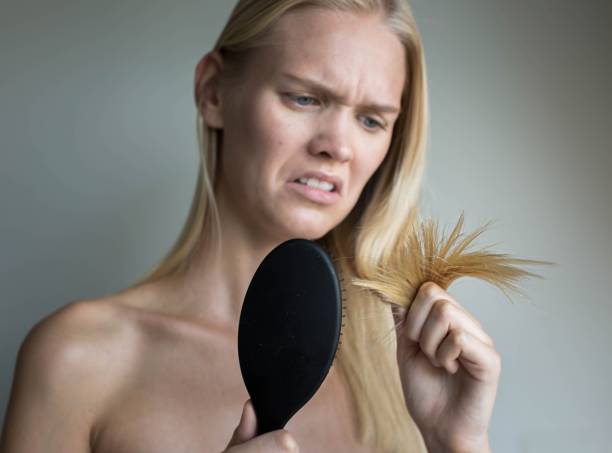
[428, 290]
[442, 309]
[448, 364]
[458, 337]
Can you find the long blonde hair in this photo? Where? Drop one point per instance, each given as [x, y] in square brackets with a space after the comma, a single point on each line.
[367, 236]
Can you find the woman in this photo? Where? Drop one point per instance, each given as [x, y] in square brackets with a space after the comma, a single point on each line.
[314, 115]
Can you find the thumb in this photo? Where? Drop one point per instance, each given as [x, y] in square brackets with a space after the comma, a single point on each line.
[247, 428]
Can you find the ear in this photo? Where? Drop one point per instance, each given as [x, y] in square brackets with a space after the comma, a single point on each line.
[207, 91]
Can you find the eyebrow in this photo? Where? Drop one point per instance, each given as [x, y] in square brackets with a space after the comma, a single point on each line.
[322, 88]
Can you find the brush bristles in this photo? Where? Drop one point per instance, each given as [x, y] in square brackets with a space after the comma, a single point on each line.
[425, 255]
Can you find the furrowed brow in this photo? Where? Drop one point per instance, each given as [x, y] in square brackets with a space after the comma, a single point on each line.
[322, 88]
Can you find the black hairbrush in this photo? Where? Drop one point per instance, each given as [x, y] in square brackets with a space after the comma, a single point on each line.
[289, 330]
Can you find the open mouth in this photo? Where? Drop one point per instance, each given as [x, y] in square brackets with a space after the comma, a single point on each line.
[317, 184]
[320, 192]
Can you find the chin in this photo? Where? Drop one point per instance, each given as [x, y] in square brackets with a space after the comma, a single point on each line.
[308, 233]
[311, 228]
[305, 222]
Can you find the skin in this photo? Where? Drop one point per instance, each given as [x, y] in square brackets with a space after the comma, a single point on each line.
[449, 370]
[156, 368]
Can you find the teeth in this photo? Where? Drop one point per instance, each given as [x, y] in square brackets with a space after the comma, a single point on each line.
[326, 186]
[313, 182]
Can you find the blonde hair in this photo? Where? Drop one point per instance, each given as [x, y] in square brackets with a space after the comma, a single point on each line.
[367, 236]
[382, 250]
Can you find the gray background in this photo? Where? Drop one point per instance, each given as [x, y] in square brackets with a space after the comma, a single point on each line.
[98, 165]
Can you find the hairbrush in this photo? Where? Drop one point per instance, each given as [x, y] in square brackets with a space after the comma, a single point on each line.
[289, 330]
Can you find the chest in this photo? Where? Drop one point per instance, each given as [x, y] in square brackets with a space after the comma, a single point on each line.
[187, 401]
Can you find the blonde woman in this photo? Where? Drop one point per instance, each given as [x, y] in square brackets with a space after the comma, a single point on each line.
[312, 119]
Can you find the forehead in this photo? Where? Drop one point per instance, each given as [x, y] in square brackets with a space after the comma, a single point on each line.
[355, 54]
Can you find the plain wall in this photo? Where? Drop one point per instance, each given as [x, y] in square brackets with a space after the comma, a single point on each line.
[98, 164]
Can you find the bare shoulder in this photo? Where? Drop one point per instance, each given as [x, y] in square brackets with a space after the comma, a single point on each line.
[79, 340]
[68, 366]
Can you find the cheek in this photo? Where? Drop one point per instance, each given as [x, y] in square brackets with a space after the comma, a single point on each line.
[268, 132]
[249, 139]
[368, 164]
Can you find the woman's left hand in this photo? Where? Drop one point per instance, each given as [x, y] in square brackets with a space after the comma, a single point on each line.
[449, 370]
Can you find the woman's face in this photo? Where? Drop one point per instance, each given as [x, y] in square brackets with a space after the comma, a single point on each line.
[279, 128]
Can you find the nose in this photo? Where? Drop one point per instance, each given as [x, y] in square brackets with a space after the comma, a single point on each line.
[333, 138]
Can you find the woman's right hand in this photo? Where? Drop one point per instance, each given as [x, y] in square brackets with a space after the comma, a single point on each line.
[245, 440]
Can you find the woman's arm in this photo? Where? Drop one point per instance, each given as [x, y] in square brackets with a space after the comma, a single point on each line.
[58, 385]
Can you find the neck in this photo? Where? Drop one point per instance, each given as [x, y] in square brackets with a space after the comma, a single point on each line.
[213, 286]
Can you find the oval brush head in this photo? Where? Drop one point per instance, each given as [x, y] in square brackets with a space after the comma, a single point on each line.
[289, 330]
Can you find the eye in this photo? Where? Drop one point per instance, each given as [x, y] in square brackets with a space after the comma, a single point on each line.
[298, 98]
[375, 124]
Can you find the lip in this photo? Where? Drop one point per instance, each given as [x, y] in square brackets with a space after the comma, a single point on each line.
[321, 176]
[313, 194]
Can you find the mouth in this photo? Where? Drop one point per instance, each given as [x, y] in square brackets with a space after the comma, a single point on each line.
[325, 193]
[323, 181]
[314, 183]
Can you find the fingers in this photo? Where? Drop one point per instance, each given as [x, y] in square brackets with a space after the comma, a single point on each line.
[433, 301]
[245, 440]
[279, 441]
[449, 335]
[247, 428]
[481, 360]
